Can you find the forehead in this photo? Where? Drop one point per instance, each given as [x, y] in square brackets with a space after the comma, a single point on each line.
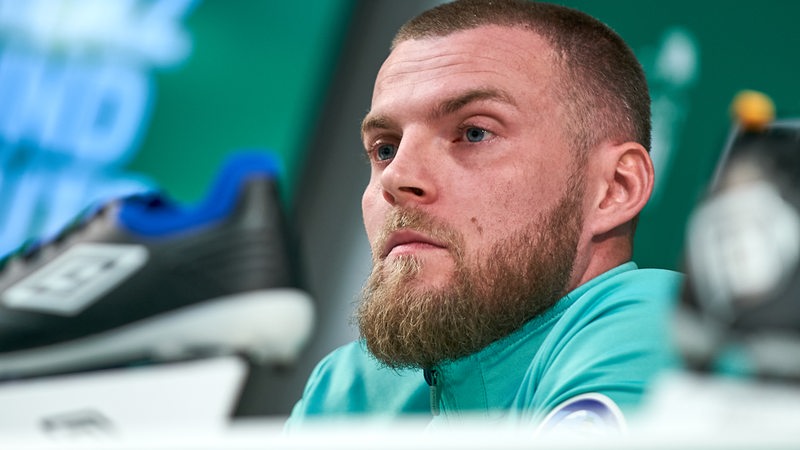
[512, 59]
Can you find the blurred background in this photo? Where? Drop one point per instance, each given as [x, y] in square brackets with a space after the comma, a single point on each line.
[103, 98]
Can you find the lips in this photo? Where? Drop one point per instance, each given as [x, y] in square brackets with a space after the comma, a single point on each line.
[409, 240]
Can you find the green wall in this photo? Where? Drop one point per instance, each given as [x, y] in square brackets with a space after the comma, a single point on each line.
[739, 45]
[255, 79]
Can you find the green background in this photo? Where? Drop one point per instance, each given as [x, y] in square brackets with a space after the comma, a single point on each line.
[255, 79]
[260, 69]
[742, 45]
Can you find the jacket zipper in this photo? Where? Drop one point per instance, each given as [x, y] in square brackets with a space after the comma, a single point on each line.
[432, 378]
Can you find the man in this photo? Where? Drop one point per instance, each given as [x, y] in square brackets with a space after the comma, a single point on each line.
[508, 143]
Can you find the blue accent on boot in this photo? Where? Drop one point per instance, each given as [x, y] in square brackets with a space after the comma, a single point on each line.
[153, 214]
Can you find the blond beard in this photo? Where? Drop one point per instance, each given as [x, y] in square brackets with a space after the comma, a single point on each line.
[408, 325]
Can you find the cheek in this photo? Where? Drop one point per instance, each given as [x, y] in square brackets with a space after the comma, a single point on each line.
[506, 201]
[508, 208]
[370, 210]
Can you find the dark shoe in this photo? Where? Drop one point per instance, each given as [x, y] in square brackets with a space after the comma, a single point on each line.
[144, 279]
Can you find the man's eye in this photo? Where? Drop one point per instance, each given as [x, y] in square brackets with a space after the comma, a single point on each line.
[474, 134]
[385, 151]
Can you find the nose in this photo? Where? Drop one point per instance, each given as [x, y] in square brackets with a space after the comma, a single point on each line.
[410, 177]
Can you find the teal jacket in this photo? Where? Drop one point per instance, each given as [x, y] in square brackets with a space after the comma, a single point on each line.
[609, 337]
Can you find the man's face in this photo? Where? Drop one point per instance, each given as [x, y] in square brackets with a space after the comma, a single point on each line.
[473, 209]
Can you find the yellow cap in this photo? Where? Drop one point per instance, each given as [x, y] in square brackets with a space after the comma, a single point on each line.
[753, 110]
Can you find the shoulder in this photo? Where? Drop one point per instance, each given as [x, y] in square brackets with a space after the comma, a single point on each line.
[648, 294]
[611, 341]
[630, 310]
[642, 284]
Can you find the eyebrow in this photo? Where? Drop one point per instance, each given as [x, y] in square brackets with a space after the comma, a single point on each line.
[376, 122]
[460, 101]
[446, 107]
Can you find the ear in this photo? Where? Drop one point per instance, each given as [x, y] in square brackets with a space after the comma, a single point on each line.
[623, 183]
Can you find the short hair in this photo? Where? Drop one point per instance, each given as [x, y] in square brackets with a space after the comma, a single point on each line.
[604, 87]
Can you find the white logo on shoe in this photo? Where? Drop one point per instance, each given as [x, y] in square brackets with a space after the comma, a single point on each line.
[75, 279]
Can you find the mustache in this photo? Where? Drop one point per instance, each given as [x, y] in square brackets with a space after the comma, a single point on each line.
[420, 221]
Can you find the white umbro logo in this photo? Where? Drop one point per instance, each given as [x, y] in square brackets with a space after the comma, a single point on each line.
[72, 281]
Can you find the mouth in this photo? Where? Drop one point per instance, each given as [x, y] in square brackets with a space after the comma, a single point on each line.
[408, 241]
